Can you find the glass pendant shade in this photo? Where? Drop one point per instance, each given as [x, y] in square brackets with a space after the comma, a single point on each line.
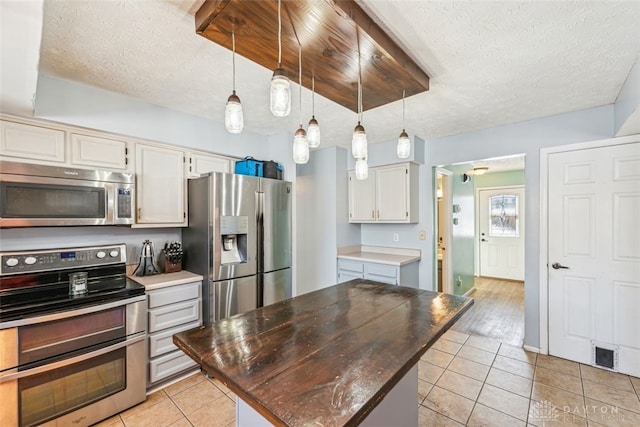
[313, 133]
[233, 118]
[280, 94]
[362, 169]
[300, 147]
[359, 142]
[403, 149]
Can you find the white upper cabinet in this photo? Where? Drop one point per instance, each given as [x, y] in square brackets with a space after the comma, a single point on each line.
[388, 195]
[204, 163]
[25, 142]
[362, 198]
[160, 186]
[99, 152]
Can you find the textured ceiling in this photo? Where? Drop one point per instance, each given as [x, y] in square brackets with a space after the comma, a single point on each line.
[490, 63]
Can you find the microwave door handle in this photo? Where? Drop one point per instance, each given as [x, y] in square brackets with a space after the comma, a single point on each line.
[110, 193]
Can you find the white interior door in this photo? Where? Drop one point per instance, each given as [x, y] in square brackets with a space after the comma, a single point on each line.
[501, 227]
[594, 255]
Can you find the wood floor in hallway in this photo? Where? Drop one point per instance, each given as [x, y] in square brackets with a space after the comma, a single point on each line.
[498, 311]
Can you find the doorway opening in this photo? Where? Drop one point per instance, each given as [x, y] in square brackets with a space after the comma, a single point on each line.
[485, 196]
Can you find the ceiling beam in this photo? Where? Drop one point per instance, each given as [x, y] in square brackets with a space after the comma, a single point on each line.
[329, 31]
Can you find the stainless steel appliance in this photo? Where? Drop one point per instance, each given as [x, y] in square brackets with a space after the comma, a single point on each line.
[239, 239]
[70, 358]
[36, 195]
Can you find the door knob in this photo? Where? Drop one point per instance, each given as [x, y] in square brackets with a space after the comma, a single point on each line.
[483, 240]
[557, 265]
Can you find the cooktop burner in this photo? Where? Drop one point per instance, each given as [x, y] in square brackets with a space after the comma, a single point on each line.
[36, 283]
[48, 299]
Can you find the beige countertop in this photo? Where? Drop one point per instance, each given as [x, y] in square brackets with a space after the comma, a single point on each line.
[159, 281]
[380, 254]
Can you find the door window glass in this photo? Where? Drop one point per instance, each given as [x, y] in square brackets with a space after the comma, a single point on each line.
[503, 215]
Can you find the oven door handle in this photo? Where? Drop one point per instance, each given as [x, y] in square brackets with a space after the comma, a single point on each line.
[14, 374]
[71, 313]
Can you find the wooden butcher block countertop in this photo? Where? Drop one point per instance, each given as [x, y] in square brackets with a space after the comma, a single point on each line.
[327, 357]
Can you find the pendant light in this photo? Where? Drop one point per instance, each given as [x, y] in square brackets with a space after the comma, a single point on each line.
[313, 130]
[233, 117]
[359, 140]
[300, 145]
[362, 169]
[403, 150]
[280, 86]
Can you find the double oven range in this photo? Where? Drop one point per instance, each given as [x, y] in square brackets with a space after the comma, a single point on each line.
[70, 356]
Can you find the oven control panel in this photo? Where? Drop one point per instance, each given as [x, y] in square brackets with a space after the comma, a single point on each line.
[47, 260]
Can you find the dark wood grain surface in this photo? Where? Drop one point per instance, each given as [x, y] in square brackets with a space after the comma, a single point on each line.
[327, 31]
[327, 357]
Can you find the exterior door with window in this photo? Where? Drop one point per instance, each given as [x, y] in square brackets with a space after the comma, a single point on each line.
[501, 229]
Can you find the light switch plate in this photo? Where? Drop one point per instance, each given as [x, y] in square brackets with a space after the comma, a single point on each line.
[422, 235]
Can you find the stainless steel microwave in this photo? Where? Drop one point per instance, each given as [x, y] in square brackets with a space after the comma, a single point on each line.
[37, 195]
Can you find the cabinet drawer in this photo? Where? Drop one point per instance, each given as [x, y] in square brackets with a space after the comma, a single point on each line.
[162, 342]
[168, 365]
[382, 273]
[348, 265]
[174, 294]
[346, 275]
[174, 315]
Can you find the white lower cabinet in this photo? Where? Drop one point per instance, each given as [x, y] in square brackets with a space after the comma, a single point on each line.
[171, 310]
[405, 275]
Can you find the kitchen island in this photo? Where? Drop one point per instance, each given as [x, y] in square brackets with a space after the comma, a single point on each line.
[343, 355]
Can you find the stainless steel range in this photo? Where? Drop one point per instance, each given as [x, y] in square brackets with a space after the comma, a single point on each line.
[72, 336]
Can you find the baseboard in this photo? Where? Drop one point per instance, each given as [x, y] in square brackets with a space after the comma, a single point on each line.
[531, 349]
[469, 292]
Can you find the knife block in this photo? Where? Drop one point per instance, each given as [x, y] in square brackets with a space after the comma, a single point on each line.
[167, 266]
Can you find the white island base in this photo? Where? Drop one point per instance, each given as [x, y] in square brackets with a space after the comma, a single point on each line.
[399, 408]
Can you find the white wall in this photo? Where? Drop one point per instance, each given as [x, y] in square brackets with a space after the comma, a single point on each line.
[520, 138]
[81, 105]
[322, 223]
[627, 106]
[20, 31]
[12, 239]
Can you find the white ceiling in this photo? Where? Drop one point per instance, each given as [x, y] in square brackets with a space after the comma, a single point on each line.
[490, 63]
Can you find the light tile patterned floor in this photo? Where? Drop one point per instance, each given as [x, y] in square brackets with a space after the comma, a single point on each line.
[463, 380]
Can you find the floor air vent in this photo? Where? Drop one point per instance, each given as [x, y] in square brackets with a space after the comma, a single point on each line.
[605, 357]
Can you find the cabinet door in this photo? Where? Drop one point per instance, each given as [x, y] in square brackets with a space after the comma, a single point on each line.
[391, 193]
[361, 199]
[160, 186]
[202, 163]
[99, 152]
[31, 142]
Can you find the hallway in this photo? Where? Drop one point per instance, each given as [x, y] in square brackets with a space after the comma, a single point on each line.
[497, 313]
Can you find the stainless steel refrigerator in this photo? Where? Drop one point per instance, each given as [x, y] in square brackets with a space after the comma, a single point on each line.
[239, 239]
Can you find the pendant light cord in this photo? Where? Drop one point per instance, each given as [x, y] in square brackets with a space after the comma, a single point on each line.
[233, 59]
[403, 126]
[300, 79]
[359, 79]
[313, 96]
[279, 36]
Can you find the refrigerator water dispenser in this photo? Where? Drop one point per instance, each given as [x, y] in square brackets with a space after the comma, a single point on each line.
[233, 232]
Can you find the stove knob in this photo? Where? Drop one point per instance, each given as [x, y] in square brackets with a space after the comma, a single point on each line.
[114, 253]
[11, 262]
[101, 254]
[30, 260]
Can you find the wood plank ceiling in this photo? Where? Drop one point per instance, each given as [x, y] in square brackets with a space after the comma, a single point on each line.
[329, 31]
